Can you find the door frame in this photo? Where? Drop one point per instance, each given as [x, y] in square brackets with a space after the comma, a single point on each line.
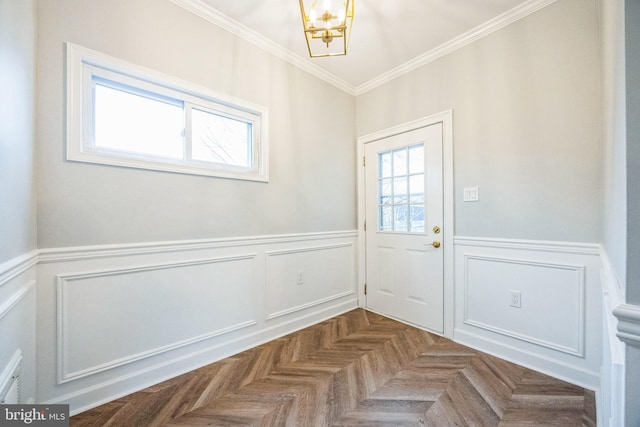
[446, 118]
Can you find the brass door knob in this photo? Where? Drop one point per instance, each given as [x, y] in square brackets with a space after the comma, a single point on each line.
[436, 244]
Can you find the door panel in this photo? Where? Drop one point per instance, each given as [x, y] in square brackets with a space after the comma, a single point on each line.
[404, 202]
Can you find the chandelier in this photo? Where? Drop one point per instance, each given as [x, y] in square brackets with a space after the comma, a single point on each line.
[326, 24]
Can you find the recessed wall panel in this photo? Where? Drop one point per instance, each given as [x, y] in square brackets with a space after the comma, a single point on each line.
[552, 303]
[109, 318]
[300, 278]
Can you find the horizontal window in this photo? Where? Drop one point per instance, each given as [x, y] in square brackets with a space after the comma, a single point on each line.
[142, 119]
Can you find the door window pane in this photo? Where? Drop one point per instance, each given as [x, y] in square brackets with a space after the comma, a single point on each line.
[416, 218]
[416, 188]
[400, 162]
[386, 218]
[385, 165]
[416, 159]
[401, 190]
[400, 218]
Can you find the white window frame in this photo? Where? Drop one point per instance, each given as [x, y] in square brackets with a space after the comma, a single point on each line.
[83, 64]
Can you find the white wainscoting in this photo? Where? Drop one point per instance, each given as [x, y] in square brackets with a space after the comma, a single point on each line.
[558, 327]
[116, 319]
[612, 383]
[18, 327]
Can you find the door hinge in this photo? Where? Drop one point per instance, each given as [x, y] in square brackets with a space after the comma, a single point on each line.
[364, 161]
[365, 226]
[365, 288]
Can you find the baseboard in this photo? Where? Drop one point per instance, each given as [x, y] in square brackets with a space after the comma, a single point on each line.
[115, 388]
[550, 366]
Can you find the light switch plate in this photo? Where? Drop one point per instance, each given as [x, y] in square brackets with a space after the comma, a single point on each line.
[470, 194]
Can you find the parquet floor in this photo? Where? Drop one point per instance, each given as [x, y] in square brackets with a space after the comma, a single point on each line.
[357, 369]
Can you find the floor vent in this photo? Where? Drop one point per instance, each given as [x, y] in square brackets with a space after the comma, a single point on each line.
[10, 380]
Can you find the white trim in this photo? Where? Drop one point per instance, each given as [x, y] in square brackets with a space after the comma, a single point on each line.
[446, 118]
[18, 265]
[530, 245]
[10, 373]
[127, 249]
[277, 314]
[521, 11]
[612, 374]
[628, 323]
[613, 296]
[205, 11]
[308, 249]
[94, 395]
[579, 350]
[63, 280]
[519, 355]
[11, 302]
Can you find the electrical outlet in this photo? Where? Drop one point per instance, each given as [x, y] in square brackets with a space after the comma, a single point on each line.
[300, 277]
[515, 299]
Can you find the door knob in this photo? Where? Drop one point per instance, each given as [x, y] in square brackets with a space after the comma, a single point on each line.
[436, 244]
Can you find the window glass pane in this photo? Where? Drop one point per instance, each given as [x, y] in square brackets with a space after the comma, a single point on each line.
[416, 188]
[416, 215]
[138, 124]
[385, 187]
[400, 190]
[385, 164]
[400, 162]
[400, 218]
[386, 218]
[220, 139]
[416, 159]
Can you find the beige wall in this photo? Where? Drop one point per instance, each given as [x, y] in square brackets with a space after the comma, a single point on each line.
[526, 110]
[312, 154]
[17, 86]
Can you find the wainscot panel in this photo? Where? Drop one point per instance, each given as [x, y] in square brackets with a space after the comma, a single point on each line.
[535, 303]
[119, 318]
[18, 329]
[304, 277]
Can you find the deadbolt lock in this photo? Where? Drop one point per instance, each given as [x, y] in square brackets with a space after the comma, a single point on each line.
[436, 244]
[436, 229]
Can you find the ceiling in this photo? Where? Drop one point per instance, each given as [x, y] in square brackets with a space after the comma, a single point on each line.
[386, 35]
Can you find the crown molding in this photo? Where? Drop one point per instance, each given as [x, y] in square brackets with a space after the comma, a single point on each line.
[482, 30]
[200, 8]
[203, 10]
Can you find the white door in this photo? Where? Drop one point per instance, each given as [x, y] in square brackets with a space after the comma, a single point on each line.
[404, 219]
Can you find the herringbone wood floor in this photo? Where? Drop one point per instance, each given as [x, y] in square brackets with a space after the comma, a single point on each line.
[357, 369]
